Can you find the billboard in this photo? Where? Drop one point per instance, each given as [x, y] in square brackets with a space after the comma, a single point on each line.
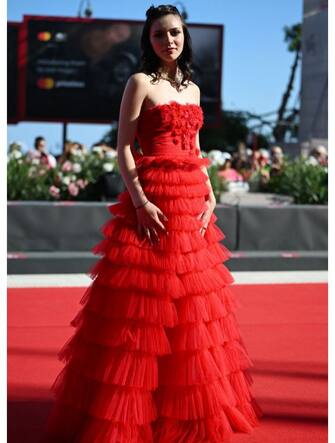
[12, 71]
[75, 70]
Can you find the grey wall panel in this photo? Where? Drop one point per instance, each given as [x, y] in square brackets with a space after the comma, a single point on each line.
[298, 227]
[50, 227]
[227, 222]
[43, 226]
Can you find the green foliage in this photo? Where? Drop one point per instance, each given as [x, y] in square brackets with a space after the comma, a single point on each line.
[293, 37]
[306, 183]
[75, 179]
[31, 180]
[26, 181]
[218, 183]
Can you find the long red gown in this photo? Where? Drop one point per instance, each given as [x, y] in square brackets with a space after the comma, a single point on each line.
[157, 355]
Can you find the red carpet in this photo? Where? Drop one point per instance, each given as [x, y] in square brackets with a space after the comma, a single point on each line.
[284, 327]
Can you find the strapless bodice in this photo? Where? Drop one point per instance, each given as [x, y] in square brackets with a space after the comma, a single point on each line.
[169, 129]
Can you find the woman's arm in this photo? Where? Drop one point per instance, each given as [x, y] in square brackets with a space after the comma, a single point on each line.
[132, 99]
[148, 214]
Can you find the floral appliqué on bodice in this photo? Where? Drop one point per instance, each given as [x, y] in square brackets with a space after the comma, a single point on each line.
[170, 123]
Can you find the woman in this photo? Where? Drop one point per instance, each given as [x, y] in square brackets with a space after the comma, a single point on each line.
[157, 355]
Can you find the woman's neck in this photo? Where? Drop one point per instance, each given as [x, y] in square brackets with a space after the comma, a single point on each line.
[169, 70]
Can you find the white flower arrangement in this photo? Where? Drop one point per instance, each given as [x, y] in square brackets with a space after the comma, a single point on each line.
[111, 154]
[15, 155]
[97, 150]
[218, 157]
[108, 167]
[76, 167]
[66, 180]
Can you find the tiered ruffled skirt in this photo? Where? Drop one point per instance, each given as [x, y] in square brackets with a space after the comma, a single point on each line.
[157, 355]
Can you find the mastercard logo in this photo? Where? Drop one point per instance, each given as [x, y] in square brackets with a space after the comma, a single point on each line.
[46, 83]
[44, 36]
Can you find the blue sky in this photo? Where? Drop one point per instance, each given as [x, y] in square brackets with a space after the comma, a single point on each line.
[256, 62]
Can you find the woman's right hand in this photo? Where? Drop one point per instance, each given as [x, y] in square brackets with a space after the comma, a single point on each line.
[150, 219]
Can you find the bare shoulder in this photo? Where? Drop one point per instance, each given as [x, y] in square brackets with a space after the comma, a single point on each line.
[194, 85]
[133, 96]
[139, 79]
[138, 85]
[136, 88]
[195, 90]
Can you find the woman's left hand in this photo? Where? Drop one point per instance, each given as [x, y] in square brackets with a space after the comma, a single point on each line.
[206, 215]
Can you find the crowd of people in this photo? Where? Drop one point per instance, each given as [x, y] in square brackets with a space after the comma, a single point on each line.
[238, 169]
[71, 149]
[76, 172]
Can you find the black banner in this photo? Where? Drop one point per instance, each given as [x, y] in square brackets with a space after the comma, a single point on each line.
[76, 69]
[12, 72]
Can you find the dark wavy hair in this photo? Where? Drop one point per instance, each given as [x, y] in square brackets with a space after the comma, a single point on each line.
[150, 62]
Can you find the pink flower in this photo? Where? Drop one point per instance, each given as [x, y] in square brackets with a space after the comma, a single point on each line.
[82, 183]
[54, 191]
[73, 189]
[67, 166]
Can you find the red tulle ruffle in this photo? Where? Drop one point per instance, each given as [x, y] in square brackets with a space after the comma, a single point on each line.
[157, 355]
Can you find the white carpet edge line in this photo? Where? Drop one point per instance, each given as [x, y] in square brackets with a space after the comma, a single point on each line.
[83, 280]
